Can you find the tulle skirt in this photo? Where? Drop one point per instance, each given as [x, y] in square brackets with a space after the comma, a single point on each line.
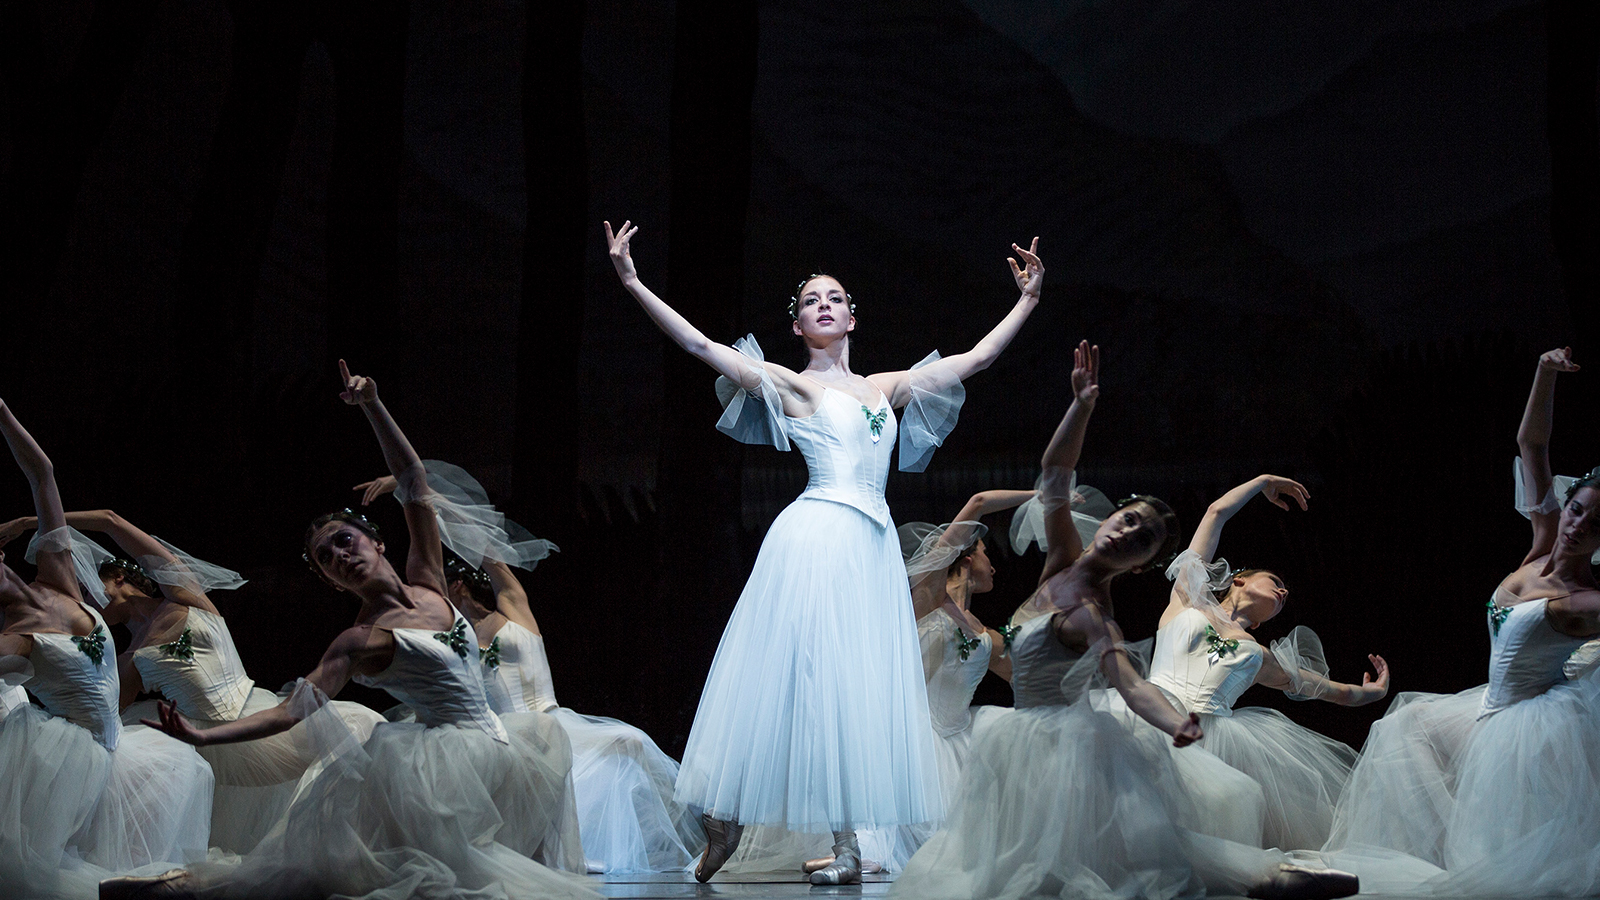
[1065, 801]
[814, 715]
[72, 812]
[425, 812]
[623, 786]
[1301, 772]
[256, 780]
[1506, 804]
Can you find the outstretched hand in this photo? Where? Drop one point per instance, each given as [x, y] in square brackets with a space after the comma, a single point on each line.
[1559, 359]
[358, 389]
[13, 529]
[1086, 372]
[1030, 275]
[1189, 732]
[376, 488]
[1275, 488]
[173, 723]
[621, 258]
[1380, 669]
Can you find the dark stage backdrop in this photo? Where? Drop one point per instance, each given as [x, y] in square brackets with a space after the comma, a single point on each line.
[1322, 240]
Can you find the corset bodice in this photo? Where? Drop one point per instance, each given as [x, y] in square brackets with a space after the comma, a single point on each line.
[438, 674]
[517, 671]
[951, 679]
[845, 464]
[199, 670]
[76, 678]
[1525, 653]
[1196, 668]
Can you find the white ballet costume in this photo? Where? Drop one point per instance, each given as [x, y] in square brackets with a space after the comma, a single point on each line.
[1496, 784]
[814, 716]
[200, 672]
[1058, 799]
[460, 803]
[1301, 772]
[81, 796]
[621, 780]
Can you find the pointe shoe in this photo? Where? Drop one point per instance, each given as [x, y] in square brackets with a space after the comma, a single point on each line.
[722, 838]
[170, 884]
[868, 867]
[846, 865]
[1293, 882]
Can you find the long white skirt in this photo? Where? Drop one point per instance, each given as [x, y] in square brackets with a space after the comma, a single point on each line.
[256, 780]
[425, 812]
[1301, 772]
[623, 787]
[1064, 801]
[815, 714]
[72, 812]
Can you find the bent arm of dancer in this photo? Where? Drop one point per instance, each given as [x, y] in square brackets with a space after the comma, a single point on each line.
[999, 660]
[358, 649]
[1065, 446]
[425, 555]
[55, 568]
[1208, 534]
[961, 366]
[1533, 444]
[1374, 685]
[927, 589]
[1143, 698]
[509, 596]
[137, 544]
[129, 678]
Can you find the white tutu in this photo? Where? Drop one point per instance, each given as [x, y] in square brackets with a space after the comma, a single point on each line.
[256, 780]
[156, 807]
[814, 714]
[623, 785]
[440, 812]
[52, 776]
[1301, 772]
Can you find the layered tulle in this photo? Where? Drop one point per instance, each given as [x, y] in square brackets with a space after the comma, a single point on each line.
[425, 812]
[1301, 772]
[52, 777]
[256, 780]
[814, 715]
[623, 787]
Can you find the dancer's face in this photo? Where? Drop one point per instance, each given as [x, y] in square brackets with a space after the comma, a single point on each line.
[1578, 531]
[347, 556]
[824, 311]
[1258, 596]
[1130, 537]
[117, 590]
[980, 570]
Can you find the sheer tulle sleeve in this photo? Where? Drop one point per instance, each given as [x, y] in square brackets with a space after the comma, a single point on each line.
[752, 416]
[1088, 673]
[87, 556]
[1583, 661]
[1056, 486]
[1198, 581]
[929, 417]
[1527, 504]
[186, 571]
[470, 525]
[323, 734]
[932, 548]
[1300, 655]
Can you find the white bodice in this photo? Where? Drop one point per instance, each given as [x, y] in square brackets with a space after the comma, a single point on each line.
[517, 671]
[1198, 679]
[1040, 666]
[437, 674]
[71, 684]
[846, 465]
[951, 679]
[199, 670]
[1525, 654]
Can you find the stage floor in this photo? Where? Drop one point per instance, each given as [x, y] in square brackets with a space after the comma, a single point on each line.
[773, 886]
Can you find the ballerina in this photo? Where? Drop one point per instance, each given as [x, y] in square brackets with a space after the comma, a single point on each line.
[81, 796]
[1205, 658]
[462, 801]
[1059, 799]
[181, 647]
[621, 780]
[814, 715]
[1497, 783]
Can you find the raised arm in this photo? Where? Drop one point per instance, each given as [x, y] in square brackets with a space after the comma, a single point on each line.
[927, 588]
[1533, 444]
[425, 556]
[55, 568]
[509, 596]
[1062, 453]
[137, 544]
[1143, 698]
[960, 366]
